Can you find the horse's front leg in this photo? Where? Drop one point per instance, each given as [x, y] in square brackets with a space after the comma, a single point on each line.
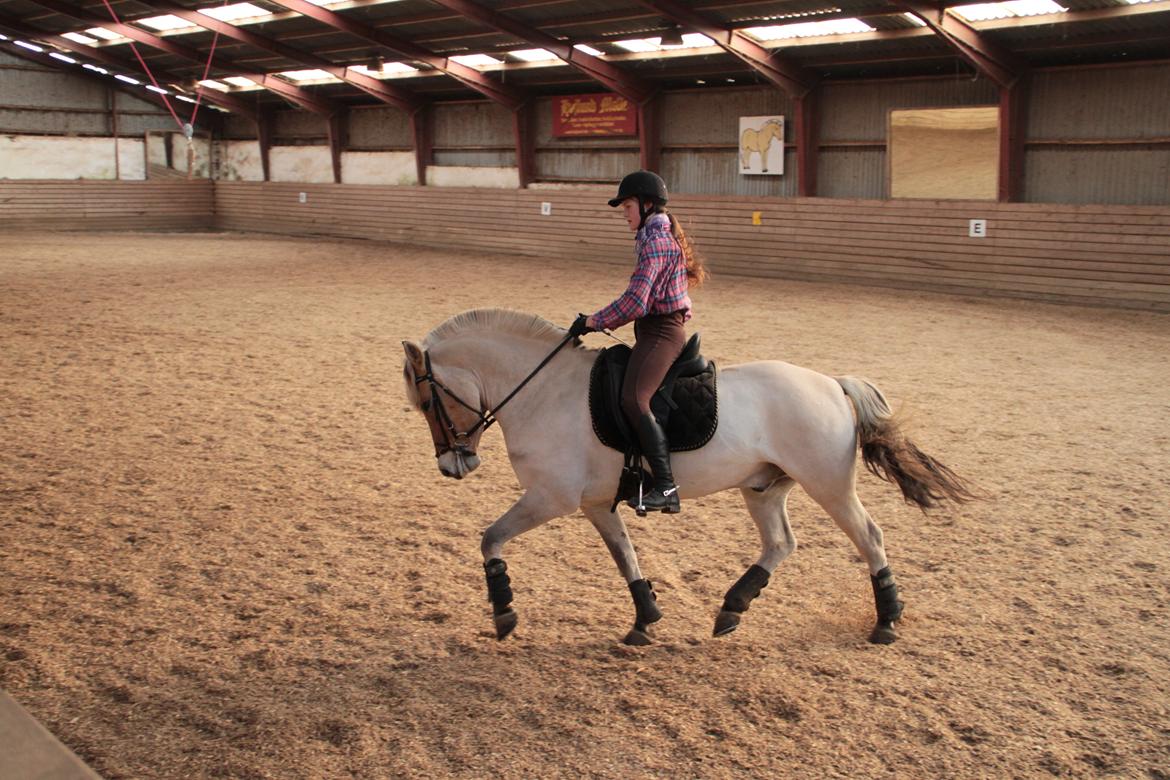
[613, 531]
[533, 509]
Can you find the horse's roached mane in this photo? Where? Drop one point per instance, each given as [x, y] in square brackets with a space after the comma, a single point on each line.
[517, 323]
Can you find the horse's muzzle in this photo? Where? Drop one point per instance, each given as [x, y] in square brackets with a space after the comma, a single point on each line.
[457, 464]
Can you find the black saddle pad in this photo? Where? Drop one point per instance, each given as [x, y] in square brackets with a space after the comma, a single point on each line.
[689, 411]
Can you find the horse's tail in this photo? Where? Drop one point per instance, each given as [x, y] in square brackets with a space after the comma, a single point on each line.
[889, 455]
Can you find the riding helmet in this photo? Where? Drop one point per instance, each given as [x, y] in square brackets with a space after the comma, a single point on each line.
[643, 184]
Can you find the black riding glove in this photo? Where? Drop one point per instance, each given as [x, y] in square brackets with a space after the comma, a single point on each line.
[579, 328]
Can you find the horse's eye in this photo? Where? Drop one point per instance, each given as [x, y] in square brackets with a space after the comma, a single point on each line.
[426, 406]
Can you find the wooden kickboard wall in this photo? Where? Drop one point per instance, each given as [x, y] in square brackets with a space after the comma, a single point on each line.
[107, 205]
[1097, 255]
[1100, 255]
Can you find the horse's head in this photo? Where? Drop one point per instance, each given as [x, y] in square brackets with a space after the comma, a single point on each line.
[451, 403]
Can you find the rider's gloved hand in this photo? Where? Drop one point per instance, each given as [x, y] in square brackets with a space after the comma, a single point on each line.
[579, 328]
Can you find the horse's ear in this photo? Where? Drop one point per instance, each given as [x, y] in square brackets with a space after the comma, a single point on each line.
[414, 355]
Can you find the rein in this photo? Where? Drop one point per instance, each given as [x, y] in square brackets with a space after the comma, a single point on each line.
[454, 439]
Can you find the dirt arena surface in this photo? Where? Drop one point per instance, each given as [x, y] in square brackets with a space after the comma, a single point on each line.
[226, 551]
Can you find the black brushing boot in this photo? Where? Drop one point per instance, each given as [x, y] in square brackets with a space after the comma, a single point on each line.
[663, 494]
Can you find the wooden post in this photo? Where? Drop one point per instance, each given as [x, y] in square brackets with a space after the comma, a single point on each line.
[338, 125]
[420, 130]
[807, 139]
[649, 134]
[264, 136]
[525, 148]
[1013, 129]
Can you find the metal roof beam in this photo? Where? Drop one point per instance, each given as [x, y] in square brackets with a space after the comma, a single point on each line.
[612, 77]
[387, 93]
[303, 98]
[1000, 65]
[787, 75]
[507, 96]
[102, 55]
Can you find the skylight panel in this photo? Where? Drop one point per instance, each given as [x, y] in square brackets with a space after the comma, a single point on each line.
[387, 69]
[533, 55]
[638, 44]
[103, 33]
[311, 74]
[982, 12]
[696, 41]
[235, 81]
[809, 29]
[165, 22]
[587, 49]
[79, 38]
[229, 13]
[476, 60]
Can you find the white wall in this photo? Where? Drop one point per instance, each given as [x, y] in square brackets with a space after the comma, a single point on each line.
[240, 161]
[468, 176]
[301, 164]
[52, 157]
[379, 168]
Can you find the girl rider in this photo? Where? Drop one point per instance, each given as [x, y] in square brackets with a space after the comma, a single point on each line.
[657, 302]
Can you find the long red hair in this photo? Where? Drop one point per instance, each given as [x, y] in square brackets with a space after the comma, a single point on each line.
[696, 269]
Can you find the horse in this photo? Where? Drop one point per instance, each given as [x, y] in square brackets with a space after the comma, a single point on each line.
[779, 426]
[753, 140]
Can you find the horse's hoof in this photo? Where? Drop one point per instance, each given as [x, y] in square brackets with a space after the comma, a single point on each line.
[637, 638]
[883, 633]
[505, 622]
[726, 622]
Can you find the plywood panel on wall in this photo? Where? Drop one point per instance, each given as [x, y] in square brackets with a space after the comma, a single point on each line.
[1111, 255]
[944, 153]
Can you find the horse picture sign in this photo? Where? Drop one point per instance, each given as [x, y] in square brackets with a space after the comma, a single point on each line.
[761, 145]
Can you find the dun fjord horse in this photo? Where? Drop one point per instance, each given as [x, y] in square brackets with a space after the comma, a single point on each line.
[779, 426]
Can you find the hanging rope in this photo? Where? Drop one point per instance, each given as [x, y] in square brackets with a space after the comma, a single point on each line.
[188, 129]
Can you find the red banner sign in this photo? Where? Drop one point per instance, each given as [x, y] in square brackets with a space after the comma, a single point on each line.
[604, 114]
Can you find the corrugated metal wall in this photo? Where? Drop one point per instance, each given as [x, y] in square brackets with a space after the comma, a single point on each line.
[1094, 135]
[854, 119]
[39, 100]
[700, 136]
[579, 159]
[379, 128]
[298, 128]
[475, 134]
[1106, 109]
[1098, 175]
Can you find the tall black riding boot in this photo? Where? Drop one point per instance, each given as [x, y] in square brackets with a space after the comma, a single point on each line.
[663, 494]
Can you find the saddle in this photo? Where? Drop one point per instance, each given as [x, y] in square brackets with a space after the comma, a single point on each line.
[686, 404]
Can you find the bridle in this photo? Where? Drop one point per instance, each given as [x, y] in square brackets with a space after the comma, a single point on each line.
[453, 440]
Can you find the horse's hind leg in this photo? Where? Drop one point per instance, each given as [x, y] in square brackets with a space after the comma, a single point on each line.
[769, 509]
[613, 531]
[849, 514]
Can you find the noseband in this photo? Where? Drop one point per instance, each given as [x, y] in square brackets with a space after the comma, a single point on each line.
[453, 440]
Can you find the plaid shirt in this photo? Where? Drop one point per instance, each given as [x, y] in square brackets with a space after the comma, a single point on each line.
[659, 283]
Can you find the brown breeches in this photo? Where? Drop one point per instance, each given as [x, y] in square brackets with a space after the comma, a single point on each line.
[660, 339]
